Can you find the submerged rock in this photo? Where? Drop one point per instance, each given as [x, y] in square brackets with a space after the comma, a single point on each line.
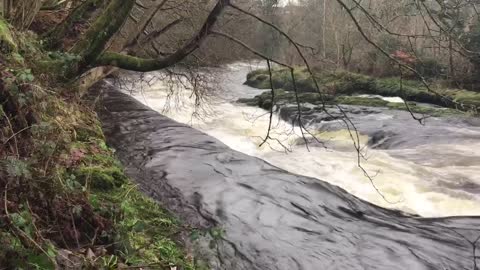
[272, 219]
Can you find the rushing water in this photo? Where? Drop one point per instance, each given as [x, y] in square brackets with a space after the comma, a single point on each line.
[434, 170]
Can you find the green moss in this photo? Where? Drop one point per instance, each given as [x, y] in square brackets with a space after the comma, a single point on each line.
[143, 229]
[256, 72]
[7, 43]
[89, 131]
[378, 102]
[100, 178]
[469, 98]
[264, 100]
[347, 83]
[281, 78]
[14, 255]
[286, 97]
[409, 90]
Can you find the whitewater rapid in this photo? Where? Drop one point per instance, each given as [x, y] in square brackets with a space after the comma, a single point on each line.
[429, 179]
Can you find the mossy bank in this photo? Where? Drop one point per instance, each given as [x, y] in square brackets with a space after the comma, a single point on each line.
[65, 201]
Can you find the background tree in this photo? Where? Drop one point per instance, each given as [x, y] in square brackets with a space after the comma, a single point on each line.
[21, 12]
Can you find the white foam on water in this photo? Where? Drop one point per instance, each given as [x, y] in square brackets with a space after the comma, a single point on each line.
[429, 188]
[389, 99]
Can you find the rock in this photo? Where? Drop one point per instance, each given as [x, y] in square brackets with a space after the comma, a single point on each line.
[7, 44]
[380, 139]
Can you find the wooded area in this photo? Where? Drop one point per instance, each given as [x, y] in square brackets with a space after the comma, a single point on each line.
[438, 38]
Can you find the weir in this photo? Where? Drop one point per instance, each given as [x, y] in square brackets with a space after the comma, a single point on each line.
[272, 219]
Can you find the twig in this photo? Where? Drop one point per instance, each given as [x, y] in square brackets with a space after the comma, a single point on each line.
[17, 230]
[16, 133]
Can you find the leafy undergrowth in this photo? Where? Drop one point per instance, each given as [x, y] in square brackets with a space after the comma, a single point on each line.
[346, 83]
[65, 202]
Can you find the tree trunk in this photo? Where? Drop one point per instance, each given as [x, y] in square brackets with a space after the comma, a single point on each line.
[450, 58]
[324, 26]
[476, 75]
[93, 43]
[81, 12]
[20, 13]
[7, 44]
[7, 7]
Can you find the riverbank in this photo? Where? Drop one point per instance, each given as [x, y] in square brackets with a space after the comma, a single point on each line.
[65, 200]
[344, 87]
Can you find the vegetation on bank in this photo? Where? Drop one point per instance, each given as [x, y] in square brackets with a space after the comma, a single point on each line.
[65, 202]
[336, 85]
[283, 97]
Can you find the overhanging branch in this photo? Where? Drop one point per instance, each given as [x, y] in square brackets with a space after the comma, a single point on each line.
[143, 65]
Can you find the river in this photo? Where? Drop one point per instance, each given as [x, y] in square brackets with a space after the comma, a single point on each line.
[431, 170]
[273, 219]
